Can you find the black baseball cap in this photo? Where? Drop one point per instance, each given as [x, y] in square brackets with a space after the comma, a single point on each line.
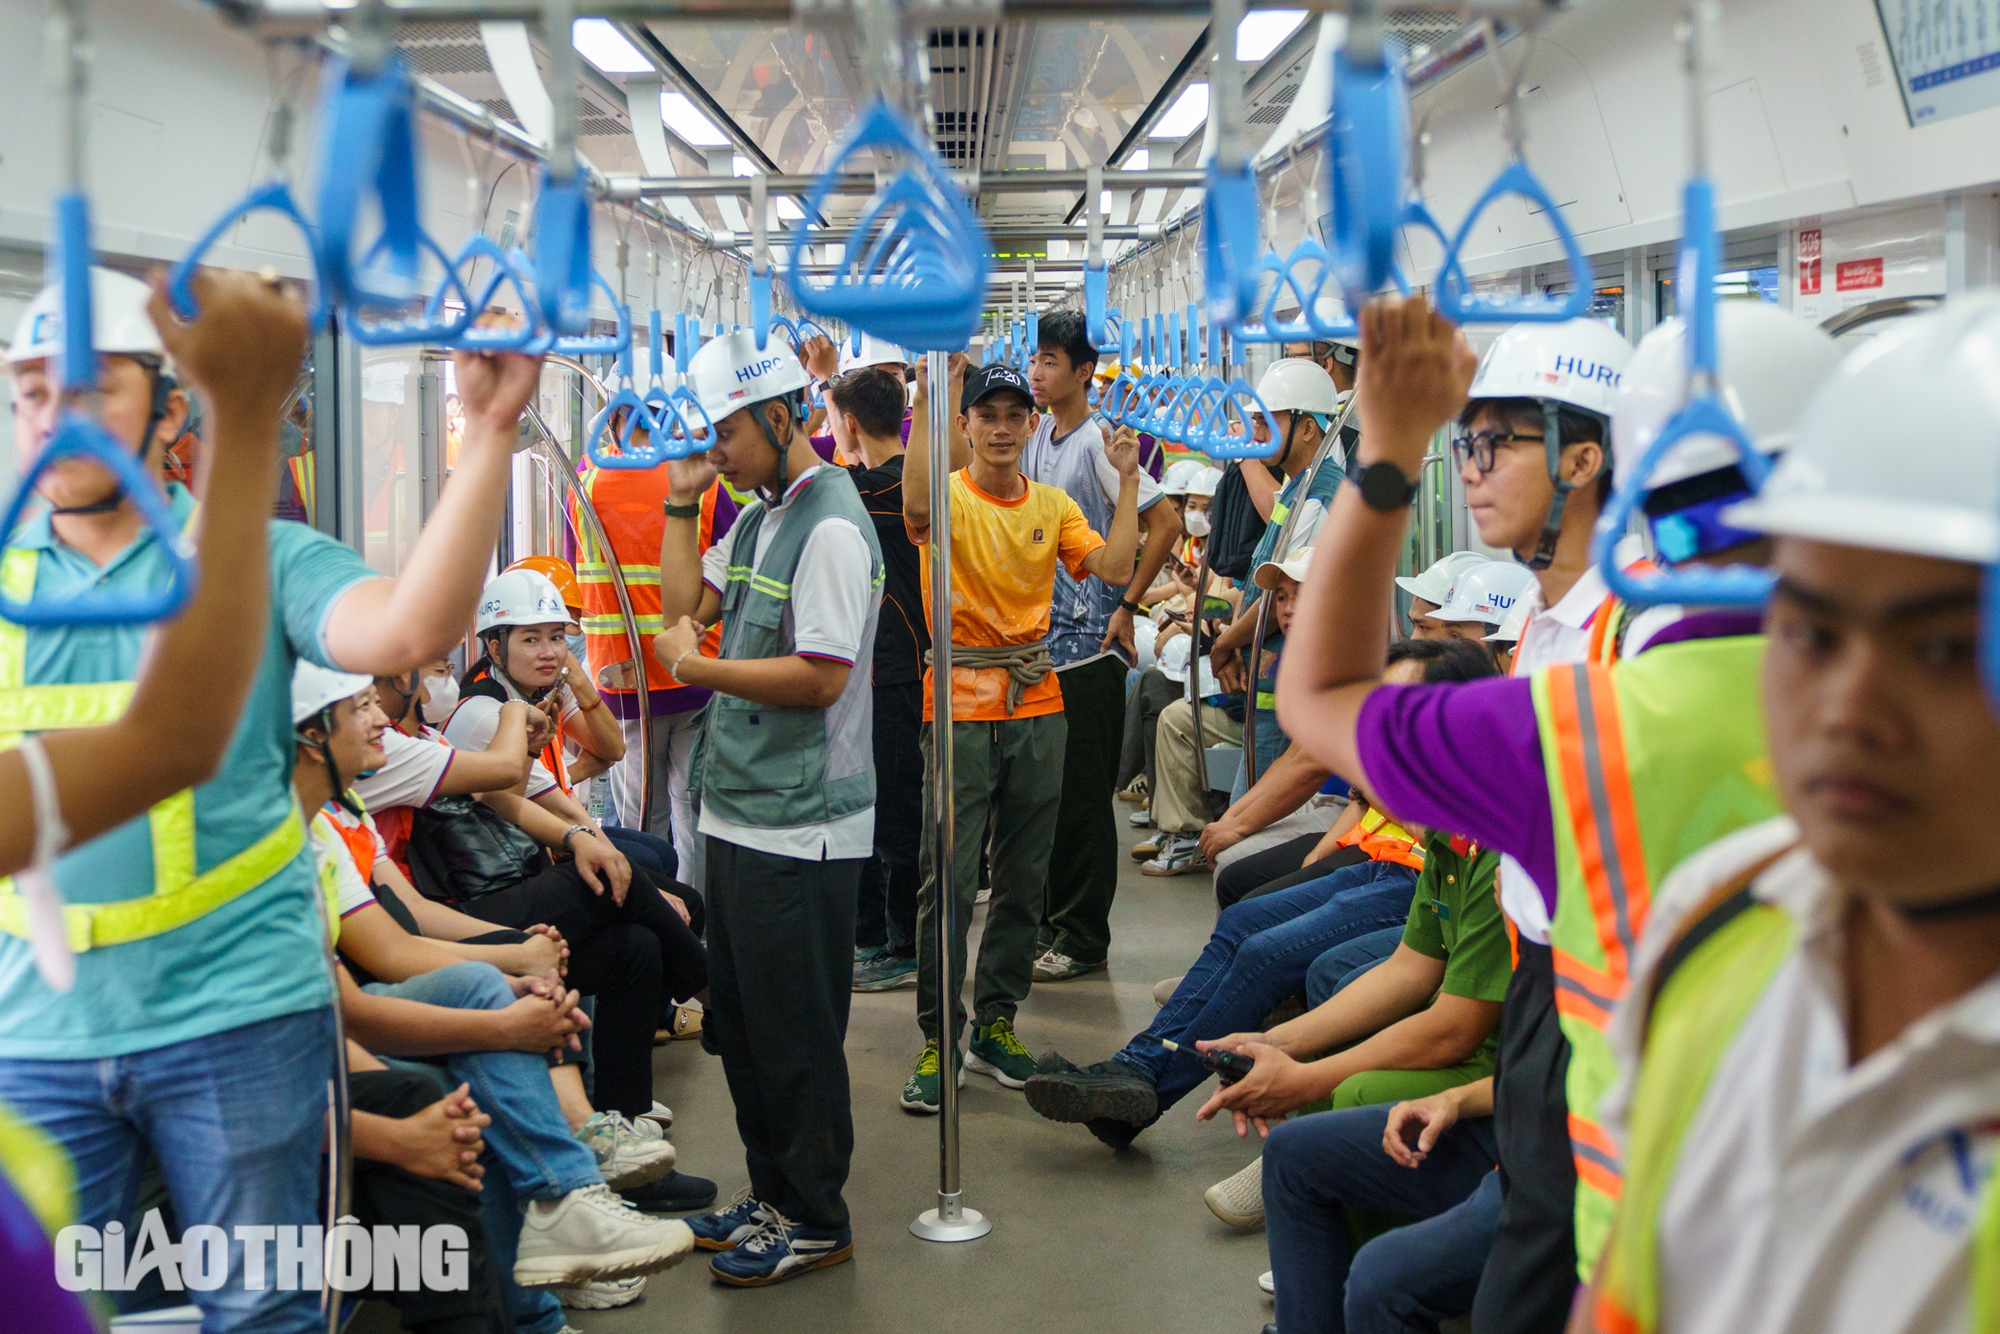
[982, 382]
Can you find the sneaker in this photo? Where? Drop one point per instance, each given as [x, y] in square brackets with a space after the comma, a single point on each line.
[867, 954]
[725, 1228]
[996, 1051]
[1239, 1200]
[1136, 793]
[1141, 818]
[779, 1250]
[1054, 967]
[661, 1115]
[1177, 856]
[626, 1156]
[890, 972]
[1267, 1284]
[1164, 989]
[983, 896]
[1146, 851]
[603, 1295]
[674, 1193]
[589, 1235]
[1108, 1090]
[920, 1093]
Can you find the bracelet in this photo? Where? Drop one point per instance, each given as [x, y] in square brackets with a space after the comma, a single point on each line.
[673, 511]
[674, 667]
[1132, 607]
[569, 835]
[581, 707]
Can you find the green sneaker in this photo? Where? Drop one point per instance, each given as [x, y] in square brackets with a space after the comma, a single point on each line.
[996, 1051]
[920, 1093]
[887, 972]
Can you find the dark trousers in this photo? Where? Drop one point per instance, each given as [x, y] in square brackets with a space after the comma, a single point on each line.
[781, 955]
[1083, 866]
[633, 957]
[656, 857]
[886, 912]
[392, 1197]
[1278, 868]
[1318, 1167]
[1152, 693]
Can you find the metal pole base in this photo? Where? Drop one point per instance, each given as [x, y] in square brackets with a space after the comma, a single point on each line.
[951, 1221]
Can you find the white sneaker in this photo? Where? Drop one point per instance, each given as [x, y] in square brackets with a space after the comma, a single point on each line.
[1141, 818]
[1267, 1285]
[604, 1295]
[1239, 1200]
[661, 1116]
[589, 1235]
[627, 1155]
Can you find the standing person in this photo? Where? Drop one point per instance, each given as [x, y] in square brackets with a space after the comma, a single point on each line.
[1090, 626]
[786, 788]
[200, 1027]
[865, 412]
[1008, 727]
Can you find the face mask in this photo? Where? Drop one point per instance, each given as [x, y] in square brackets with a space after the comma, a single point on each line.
[443, 692]
[1196, 523]
[576, 646]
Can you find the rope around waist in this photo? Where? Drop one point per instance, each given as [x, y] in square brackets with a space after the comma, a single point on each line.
[1026, 664]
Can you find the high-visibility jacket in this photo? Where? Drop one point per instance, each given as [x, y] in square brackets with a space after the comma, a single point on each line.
[1612, 618]
[1646, 762]
[1384, 841]
[179, 895]
[628, 503]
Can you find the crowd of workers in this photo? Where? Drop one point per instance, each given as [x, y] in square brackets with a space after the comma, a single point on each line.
[1579, 965]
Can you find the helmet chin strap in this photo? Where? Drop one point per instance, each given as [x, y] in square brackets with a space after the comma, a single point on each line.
[1985, 901]
[163, 386]
[784, 448]
[1545, 546]
[324, 721]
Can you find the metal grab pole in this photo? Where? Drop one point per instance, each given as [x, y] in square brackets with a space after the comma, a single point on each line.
[951, 1220]
[1327, 445]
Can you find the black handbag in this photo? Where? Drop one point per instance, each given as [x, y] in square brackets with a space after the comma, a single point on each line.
[1235, 526]
[462, 849]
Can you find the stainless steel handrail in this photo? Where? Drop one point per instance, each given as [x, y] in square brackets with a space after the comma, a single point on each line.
[1889, 308]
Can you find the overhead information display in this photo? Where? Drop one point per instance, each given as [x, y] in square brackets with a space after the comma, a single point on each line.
[1947, 55]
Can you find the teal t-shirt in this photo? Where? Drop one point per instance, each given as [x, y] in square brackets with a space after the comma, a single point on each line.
[257, 957]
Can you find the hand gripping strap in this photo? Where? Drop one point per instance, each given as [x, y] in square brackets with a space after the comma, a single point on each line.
[1455, 299]
[1368, 165]
[1216, 440]
[274, 196]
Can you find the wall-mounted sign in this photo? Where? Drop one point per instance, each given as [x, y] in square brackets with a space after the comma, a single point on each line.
[1883, 253]
[1947, 55]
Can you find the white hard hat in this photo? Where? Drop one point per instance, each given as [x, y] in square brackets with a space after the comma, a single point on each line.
[521, 597]
[1770, 363]
[1434, 585]
[1511, 628]
[1900, 449]
[315, 687]
[1487, 593]
[1145, 642]
[874, 352]
[1174, 665]
[730, 373]
[1292, 567]
[1578, 362]
[118, 319]
[1179, 473]
[1204, 481]
[1295, 384]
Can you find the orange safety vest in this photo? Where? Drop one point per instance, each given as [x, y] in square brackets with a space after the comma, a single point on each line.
[360, 840]
[1608, 622]
[1383, 840]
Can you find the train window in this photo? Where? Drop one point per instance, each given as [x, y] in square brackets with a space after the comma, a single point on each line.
[1759, 284]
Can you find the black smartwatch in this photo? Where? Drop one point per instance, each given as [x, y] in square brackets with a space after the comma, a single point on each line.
[1132, 607]
[1384, 487]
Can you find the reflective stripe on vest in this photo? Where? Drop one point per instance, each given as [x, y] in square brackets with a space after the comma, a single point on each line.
[1383, 840]
[1646, 762]
[179, 895]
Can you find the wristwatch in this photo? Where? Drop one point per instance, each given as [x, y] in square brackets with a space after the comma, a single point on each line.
[1384, 486]
[673, 511]
[569, 836]
[1125, 605]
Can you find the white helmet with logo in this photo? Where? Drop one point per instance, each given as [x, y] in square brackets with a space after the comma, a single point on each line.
[315, 688]
[1434, 585]
[1295, 384]
[521, 597]
[874, 352]
[1900, 449]
[730, 373]
[1770, 363]
[118, 318]
[1488, 593]
[1578, 362]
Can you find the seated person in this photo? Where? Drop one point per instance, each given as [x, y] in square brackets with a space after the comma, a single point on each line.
[1260, 954]
[1291, 782]
[494, 1035]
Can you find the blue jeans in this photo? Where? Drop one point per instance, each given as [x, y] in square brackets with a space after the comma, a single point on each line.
[1271, 743]
[1339, 966]
[1318, 1167]
[236, 1120]
[530, 1138]
[1259, 954]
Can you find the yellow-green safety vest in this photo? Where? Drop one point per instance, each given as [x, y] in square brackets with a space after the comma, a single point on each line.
[1647, 761]
[179, 895]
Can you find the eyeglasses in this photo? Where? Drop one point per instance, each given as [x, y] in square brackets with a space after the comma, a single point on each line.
[1479, 446]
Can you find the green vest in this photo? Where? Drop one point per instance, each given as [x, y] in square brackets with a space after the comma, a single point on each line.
[772, 766]
[1648, 761]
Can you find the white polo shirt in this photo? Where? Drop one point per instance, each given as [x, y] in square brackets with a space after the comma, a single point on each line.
[1813, 1196]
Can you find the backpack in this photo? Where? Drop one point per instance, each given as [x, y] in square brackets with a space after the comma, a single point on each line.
[1235, 527]
[460, 849]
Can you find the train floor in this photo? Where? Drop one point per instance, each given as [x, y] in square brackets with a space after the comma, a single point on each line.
[1084, 1241]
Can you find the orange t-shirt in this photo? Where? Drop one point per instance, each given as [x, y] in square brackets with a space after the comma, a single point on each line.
[1003, 577]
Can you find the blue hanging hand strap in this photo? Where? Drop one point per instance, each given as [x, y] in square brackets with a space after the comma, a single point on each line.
[562, 255]
[1455, 298]
[638, 415]
[1096, 294]
[509, 268]
[367, 150]
[1215, 439]
[437, 323]
[1368, 167]
[79, 436]
[619, 340]
[760, 306]
[687, 442]
[656, 348]
[1704, 414]
[272, 196]
[683, 348]
[1230, 243]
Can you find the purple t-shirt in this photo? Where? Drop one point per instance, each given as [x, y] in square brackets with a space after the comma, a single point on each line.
[1467, 756]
